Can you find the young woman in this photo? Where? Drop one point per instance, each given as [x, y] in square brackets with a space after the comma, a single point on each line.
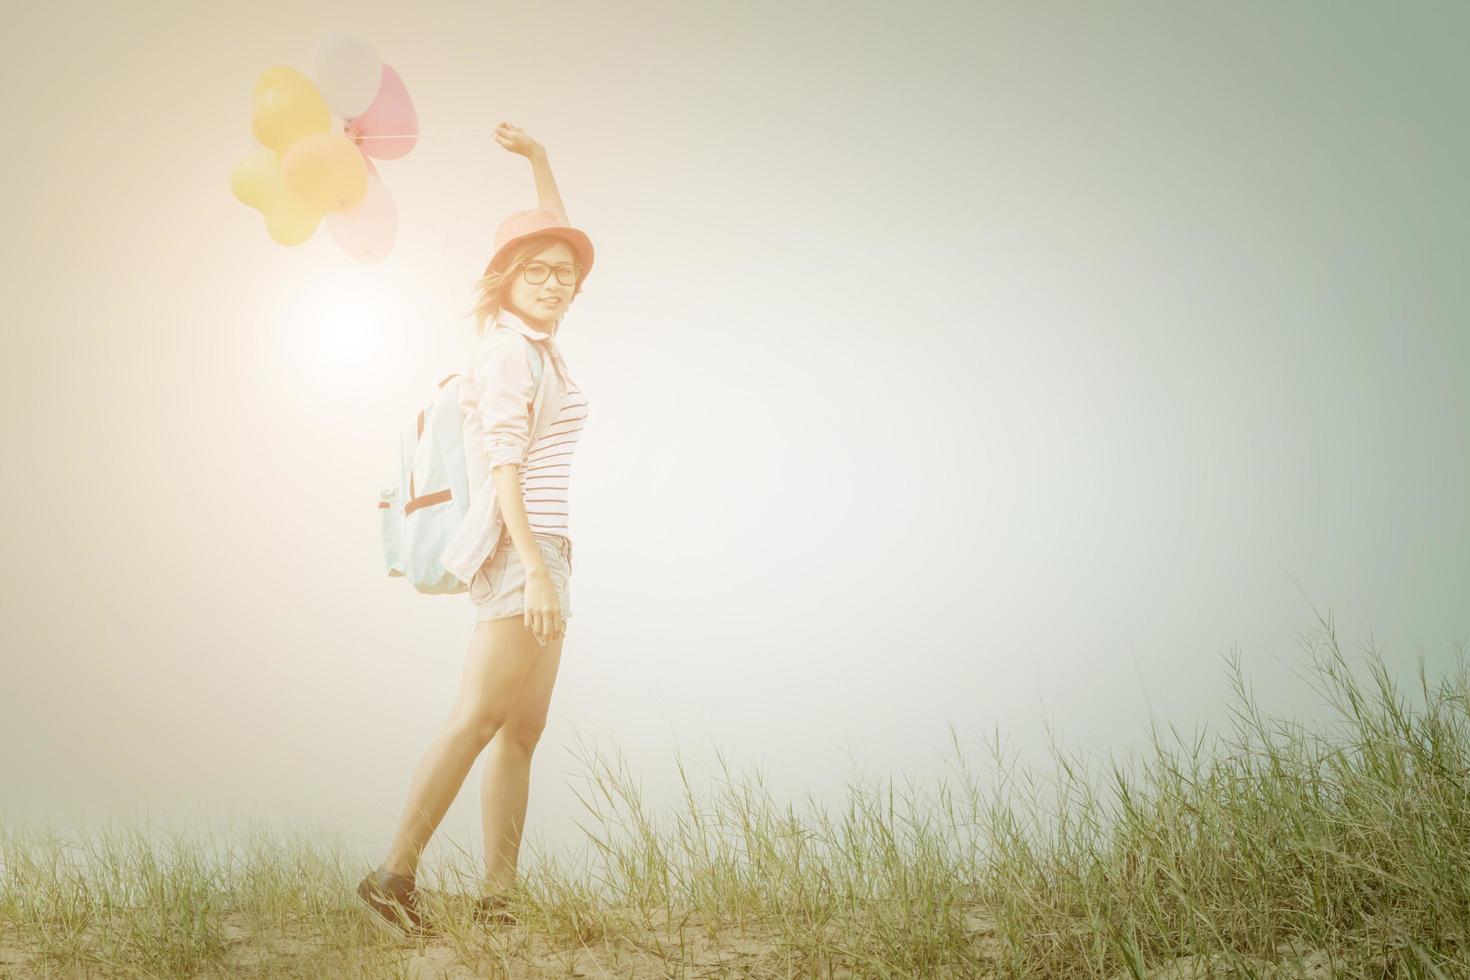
[513, 549]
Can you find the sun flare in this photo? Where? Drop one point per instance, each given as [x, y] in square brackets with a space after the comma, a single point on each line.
[334, 330]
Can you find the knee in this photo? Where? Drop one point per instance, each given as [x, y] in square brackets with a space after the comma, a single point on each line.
[523, 735]
[479, 727]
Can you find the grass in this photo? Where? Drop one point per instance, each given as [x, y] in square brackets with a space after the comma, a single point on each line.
[1278, 852]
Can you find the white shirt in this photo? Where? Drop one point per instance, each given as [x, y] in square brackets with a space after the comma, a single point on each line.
[498, 400]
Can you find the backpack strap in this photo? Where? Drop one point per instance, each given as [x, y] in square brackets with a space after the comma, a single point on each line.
[533, 354]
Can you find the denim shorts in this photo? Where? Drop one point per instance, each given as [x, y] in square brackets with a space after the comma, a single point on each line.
[499, 587]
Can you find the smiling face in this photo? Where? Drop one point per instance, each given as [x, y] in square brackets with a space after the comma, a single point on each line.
[529, 300]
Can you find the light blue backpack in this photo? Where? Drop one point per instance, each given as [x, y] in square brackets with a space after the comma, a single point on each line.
[428, 494]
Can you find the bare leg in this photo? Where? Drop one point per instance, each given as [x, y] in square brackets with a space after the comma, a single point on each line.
[505, 783]
[501, 653]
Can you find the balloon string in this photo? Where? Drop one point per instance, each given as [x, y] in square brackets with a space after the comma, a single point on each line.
[394, 136]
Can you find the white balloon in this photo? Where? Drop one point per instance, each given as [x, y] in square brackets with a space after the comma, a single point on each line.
[347, 72]
[368, 231]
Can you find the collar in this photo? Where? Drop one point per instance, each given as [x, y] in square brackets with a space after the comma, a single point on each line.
[520, 326]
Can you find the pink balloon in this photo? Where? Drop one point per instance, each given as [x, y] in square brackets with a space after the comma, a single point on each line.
[391, 114]
[368, 231]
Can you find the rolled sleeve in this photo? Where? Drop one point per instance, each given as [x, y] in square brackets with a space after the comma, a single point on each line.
[503, 382]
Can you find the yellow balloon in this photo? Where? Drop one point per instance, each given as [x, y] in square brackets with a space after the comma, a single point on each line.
[286, 107]
[256, 181]
[276, 77]
[326, 170]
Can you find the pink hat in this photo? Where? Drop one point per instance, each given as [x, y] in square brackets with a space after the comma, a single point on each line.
[539, 221]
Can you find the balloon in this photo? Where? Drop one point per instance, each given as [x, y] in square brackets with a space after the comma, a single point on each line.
[368, 231]
[319, 144]
[326, 171]
[391, 114]
[348, 73]
[256, 181]
[286, 108]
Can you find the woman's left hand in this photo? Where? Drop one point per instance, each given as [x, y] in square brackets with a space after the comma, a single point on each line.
[514, 139]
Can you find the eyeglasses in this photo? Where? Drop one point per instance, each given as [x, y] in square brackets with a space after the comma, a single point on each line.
[535, 273]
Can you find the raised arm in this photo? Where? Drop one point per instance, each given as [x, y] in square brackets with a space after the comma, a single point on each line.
[546, 184]
[514, 139]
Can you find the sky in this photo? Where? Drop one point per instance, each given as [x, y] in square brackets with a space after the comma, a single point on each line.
[1007, 368]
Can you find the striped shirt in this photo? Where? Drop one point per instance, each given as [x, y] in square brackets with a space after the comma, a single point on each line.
[547, 472]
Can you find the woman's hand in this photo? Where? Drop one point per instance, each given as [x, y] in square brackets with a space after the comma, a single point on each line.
[543, 609]
[514, 139]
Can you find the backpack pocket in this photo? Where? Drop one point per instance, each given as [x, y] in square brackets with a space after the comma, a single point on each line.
[390, 510]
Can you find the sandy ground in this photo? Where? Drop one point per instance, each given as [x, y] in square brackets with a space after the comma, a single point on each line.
[684, 948]
[679, 949]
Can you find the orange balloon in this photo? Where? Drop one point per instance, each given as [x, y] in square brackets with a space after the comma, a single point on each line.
[327, 171]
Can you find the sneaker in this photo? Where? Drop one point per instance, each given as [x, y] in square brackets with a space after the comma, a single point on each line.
[390, 902]
[494, 908]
